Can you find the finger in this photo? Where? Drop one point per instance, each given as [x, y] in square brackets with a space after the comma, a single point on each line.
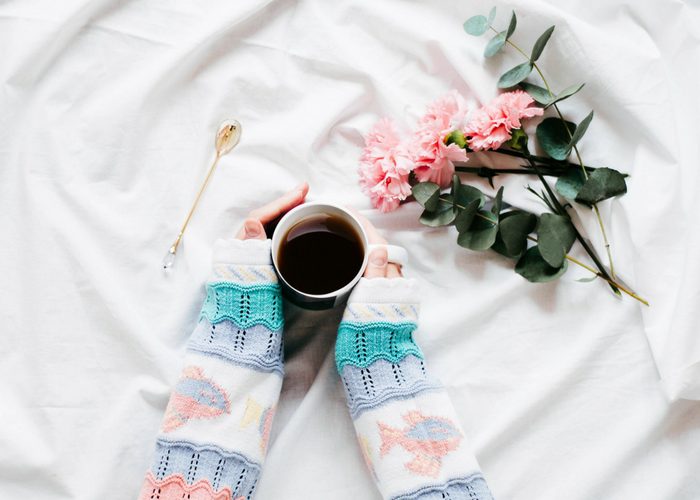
[377, 264]
[393, 270]
[373, 236]
[252, 229]
[281, 205]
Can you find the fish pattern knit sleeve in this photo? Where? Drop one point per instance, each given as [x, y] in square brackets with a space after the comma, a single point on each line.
[217, 423]
[406, 426]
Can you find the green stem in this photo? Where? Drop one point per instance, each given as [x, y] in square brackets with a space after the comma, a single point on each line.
[576, 151]
[541, 159]
[487, 171]
[522, 170]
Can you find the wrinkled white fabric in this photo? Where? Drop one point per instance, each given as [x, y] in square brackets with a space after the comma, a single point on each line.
[107, 117]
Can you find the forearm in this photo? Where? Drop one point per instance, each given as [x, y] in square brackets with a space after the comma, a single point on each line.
[408, 431]
[217, 423]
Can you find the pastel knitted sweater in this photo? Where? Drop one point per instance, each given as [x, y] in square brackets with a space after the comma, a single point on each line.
[217, 424]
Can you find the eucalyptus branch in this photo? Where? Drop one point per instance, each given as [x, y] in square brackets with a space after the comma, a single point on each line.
[575, 147]
[598, 273]
[584, 244]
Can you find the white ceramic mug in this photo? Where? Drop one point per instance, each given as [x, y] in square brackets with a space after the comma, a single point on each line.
[396, 254]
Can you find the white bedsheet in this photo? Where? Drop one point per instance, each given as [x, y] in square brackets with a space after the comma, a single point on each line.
[107, 114]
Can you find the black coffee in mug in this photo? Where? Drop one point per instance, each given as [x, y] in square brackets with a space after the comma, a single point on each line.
[320, 254]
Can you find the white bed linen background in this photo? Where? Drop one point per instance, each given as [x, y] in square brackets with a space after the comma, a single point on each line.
[107, 115]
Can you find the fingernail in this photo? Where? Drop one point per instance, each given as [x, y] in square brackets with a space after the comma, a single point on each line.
[252, 228]
[378, 259]
[300, 187]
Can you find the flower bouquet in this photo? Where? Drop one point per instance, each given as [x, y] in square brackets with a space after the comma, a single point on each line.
[425, 165]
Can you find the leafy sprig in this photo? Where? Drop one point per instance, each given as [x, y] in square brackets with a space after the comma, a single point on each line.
[501, 228]
[558, 141]
[507, 230]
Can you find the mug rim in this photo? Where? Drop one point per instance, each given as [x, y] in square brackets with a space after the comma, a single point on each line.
[276, 237]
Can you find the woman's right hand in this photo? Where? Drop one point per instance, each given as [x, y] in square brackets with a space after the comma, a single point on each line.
[378, 265]
[254, 226]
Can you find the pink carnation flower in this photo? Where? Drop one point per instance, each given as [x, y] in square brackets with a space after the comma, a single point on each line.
[492, 125]
[450, 110]
[384, 167]
[433, 158]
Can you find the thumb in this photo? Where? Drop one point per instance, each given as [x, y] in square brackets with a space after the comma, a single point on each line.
[377, 264]
[253, 230]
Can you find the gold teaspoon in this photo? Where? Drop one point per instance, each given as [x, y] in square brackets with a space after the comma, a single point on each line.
[227, 137]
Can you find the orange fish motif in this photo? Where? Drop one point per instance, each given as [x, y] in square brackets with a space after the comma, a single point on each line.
[429, 439]
[195, 396]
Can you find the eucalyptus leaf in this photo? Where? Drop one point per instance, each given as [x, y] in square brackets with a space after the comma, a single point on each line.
[513, 230]
[476, 25]
[511, 26]
[555, 235]
[535, 269]
[580, 130]
[565, 94]
[427, 194]
[492, 14]
[497, 202]
[466, 194]
[539, 94]
[602, 183]
[465, 217]
[540, 44]
[495, 44]
[442, 216]
[544, 97]
[456, 184]
[569, 184]
[482, 232]
[553, 137]
[515, 75]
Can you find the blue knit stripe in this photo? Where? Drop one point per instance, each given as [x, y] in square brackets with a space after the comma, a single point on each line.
[384, 381]
[245, 305]
[359, 312]
[361, 344]
[257, 347]
[221, 468]
[473, 487]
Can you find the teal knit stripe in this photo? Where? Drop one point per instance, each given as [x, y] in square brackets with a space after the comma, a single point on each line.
[246, 305]
[361, 344]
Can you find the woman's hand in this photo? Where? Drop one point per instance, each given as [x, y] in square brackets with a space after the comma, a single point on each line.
[378, 265]
[254, 226]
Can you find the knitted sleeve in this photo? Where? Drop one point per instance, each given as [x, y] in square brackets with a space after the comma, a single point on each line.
[216, 427]
[406, 426]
